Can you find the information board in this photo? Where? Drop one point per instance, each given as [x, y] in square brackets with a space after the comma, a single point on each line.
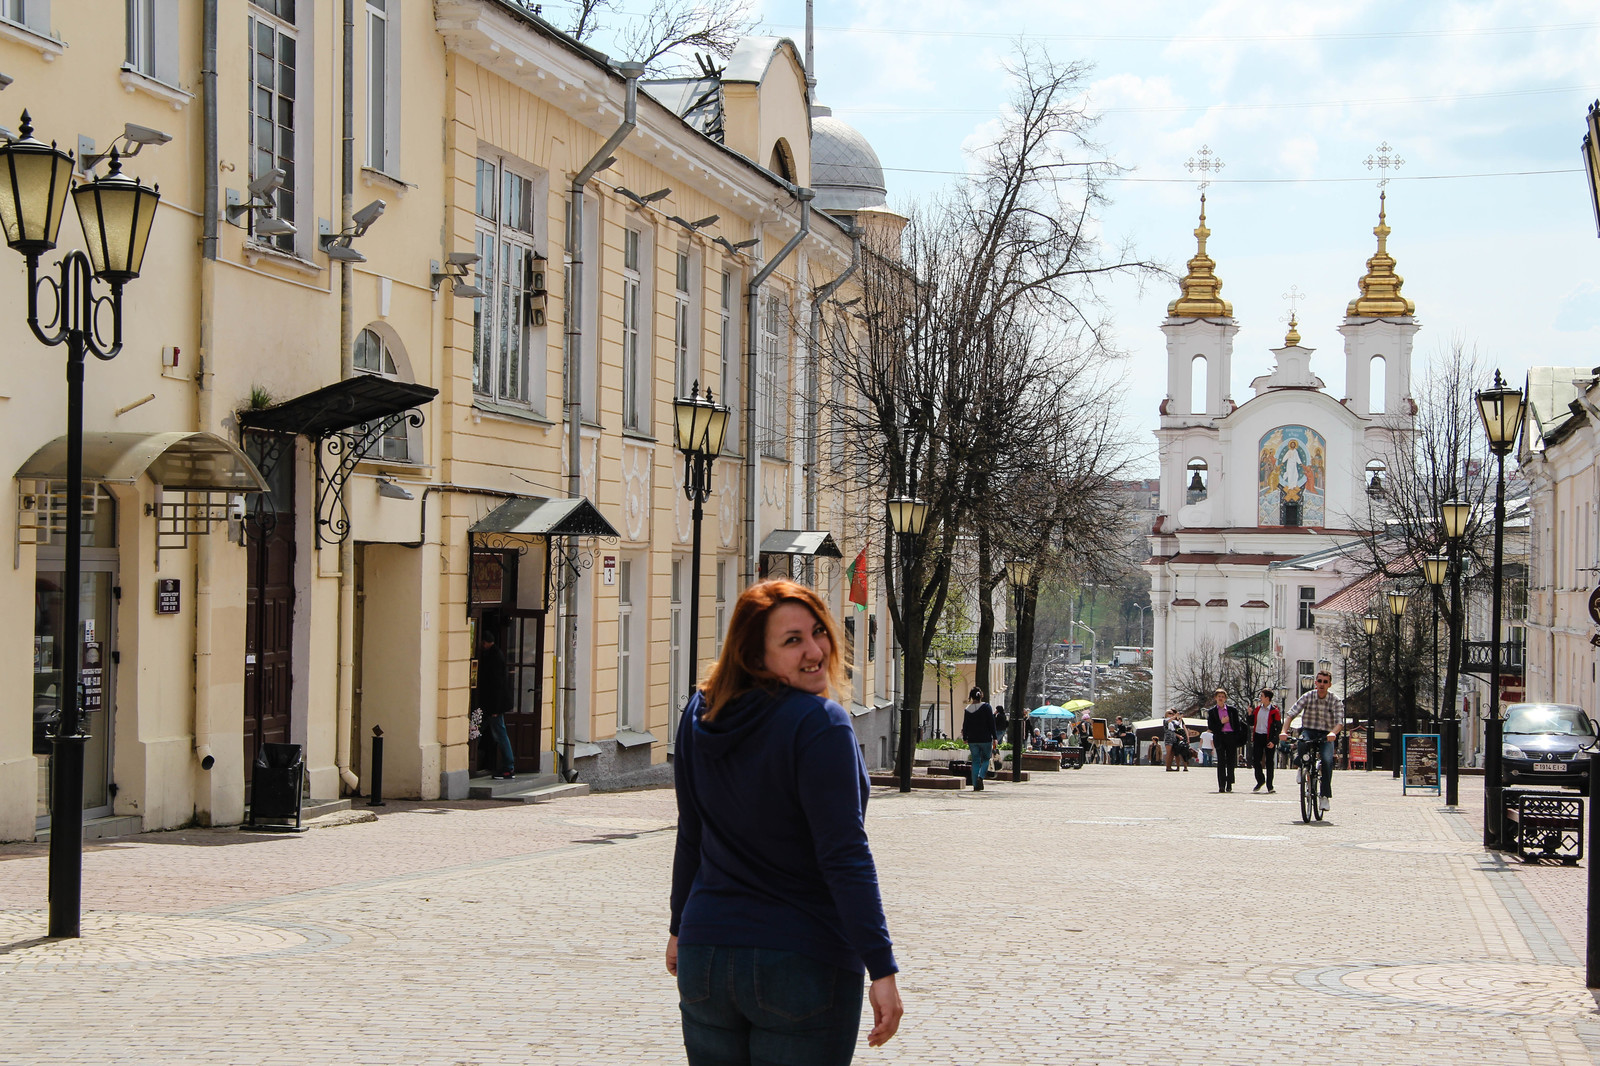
[168, 599]
[1420, 752]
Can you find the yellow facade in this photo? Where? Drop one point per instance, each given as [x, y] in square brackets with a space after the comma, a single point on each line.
[375, 631]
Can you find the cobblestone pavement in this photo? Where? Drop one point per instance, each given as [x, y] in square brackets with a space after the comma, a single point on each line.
[1109, 915]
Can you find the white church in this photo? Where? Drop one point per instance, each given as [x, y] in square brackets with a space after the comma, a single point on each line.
[1247, 488]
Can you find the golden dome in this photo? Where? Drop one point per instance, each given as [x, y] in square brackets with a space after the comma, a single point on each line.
[1200, 290]
[1291, 338]
[1380, 286]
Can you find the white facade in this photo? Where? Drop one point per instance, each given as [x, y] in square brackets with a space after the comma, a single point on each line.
[1277, 477]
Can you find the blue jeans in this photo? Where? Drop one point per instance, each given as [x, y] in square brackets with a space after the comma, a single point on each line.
[981, 754]
[1313, 736]
[496, 725]
[762, 1007]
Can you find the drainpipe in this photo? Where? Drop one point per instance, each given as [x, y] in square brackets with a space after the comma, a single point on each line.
[752, 462]
[347, 548]
[568, 620]
[202, 381]
[814, 375]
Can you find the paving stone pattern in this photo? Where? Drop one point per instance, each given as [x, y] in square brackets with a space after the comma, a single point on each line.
[1113, 915]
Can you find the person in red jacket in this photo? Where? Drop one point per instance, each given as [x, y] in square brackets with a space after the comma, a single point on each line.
[1266, 718]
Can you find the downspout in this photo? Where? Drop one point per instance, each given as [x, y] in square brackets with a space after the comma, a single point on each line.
[202, 379]
[814, 375]
[347, 547]
[568, 619]
[752, 462]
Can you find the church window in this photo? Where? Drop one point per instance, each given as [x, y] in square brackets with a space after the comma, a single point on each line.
[1377, 384]
[1197, 481]
[1375, 475]
[1197, 385]
[1289, 513]
[1308, 596]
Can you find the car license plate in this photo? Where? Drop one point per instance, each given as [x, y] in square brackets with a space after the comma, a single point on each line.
[1551, 767]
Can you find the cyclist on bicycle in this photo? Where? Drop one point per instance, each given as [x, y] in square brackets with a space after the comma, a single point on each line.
[1323, 714]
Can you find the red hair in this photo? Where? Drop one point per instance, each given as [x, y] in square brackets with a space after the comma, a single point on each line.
[741, 667]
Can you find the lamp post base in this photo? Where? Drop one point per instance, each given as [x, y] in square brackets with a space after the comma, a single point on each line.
[66, 835]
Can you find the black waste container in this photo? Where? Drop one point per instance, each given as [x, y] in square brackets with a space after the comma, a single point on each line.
[275, 785]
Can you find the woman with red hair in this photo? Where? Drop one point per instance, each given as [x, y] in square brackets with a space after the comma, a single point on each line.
[776, 913]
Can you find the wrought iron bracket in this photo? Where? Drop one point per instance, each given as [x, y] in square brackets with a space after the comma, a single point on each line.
[569, 559]
[267, 450]
[337, 456]
[42, 512]
[191, 515]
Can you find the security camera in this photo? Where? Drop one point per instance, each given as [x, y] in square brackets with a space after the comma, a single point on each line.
[367, 215]
[272, 179]
[463, 259]
[137, 134]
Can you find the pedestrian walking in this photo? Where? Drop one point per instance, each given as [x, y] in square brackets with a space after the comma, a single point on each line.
[1227, 727]
[1208, 747]
[775, 910]
[1177, 742]
[1265, 720]
[977, 729]
[492, 694]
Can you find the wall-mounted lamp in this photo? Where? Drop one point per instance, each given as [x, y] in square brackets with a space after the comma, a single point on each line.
[457, 266]
[258, 198]
[695, 225]
[647, 198]
[336, 246]
[132, 140]
[733, 248]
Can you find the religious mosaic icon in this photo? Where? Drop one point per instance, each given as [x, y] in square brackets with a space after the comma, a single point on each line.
[1291, 485]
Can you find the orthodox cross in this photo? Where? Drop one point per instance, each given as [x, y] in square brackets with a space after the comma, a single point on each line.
[1385, 160]
[1207, 163]
[1294, 296]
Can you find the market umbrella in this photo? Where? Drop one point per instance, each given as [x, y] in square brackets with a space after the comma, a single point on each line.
[1053, 712]
[1077, 705]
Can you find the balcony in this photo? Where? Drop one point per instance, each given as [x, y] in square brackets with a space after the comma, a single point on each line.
[963, 647]
[1478, 655]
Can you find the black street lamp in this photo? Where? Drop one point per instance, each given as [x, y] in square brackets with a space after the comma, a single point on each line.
[1397, 608]
[701, 424]
[1453, 516]
[115, 213]
[907, 517]
[1501, 407]
[1019, 572]
[1344, 675]
[1434, 569]
[1369, 623]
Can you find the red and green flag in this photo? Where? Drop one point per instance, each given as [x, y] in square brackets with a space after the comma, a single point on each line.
[858, 581]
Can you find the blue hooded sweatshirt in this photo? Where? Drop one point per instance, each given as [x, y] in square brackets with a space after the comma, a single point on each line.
[772, 850]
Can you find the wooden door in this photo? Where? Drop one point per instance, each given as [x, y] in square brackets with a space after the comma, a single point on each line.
[269, 618]
[524, 646]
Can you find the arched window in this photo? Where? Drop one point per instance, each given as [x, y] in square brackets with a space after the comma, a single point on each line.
[1377, 384]
[378, 352]
[1198, 475]
[1197, 385]
[782, 162]
[1376, 472]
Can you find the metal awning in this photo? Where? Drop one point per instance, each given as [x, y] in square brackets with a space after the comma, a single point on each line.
[1251, 647]
[814, 542]
[354, 401]
[539, 516]
[178, 461]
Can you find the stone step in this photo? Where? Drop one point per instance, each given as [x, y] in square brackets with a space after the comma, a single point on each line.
[918, 781]
[484, 788]
[546, 793]
[108, 828]
[315, 808]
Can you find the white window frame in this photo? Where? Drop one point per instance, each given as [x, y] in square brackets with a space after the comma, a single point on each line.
[297, 174]
[626, 666]
[31, 15]
[682, 320]
[722, 607]
[383, 86]
[508, 351]
[677, 639]
[636, 331]
[772, 407]
[1305, 618]
[396, 445]
[728, 343]
[152, 39]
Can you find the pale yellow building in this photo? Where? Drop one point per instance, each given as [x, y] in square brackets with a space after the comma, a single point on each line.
[278, 314]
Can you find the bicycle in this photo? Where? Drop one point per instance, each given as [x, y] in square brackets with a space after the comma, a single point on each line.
[1308, 758]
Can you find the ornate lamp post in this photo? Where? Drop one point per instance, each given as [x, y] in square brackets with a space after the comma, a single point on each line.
[1369, 623]
[1501, 407]
[1434, 568]
[1344, 676]
[1019, 572]
[907, 516]
[1453, 516]
[1397, 609]
[115, 213]
[701, 424]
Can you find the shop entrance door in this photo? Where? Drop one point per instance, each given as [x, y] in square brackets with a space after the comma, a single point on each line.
[269, 615]
[524, 645]
[95, 645]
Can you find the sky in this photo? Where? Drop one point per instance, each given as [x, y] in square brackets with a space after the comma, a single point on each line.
[1483, 101]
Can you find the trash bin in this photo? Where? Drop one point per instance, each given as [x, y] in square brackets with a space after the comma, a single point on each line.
[275, 786]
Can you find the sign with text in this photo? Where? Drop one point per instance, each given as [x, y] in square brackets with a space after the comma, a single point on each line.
[167, 598]
[91, 678]
[1420, 753]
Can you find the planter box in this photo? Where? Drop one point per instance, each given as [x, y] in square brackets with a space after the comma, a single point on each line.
[1044, 760]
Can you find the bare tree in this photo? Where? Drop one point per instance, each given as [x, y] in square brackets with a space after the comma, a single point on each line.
[666, 36]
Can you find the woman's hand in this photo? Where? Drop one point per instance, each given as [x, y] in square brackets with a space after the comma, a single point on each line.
[672, 955]
[886, 1011]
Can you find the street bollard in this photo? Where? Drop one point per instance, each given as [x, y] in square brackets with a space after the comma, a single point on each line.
[1592, 952]
[376, 776]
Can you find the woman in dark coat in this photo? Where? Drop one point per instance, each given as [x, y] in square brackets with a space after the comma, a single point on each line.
[776, 913]
[978, 730]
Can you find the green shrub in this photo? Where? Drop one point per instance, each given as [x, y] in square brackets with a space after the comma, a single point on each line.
[942, 744]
